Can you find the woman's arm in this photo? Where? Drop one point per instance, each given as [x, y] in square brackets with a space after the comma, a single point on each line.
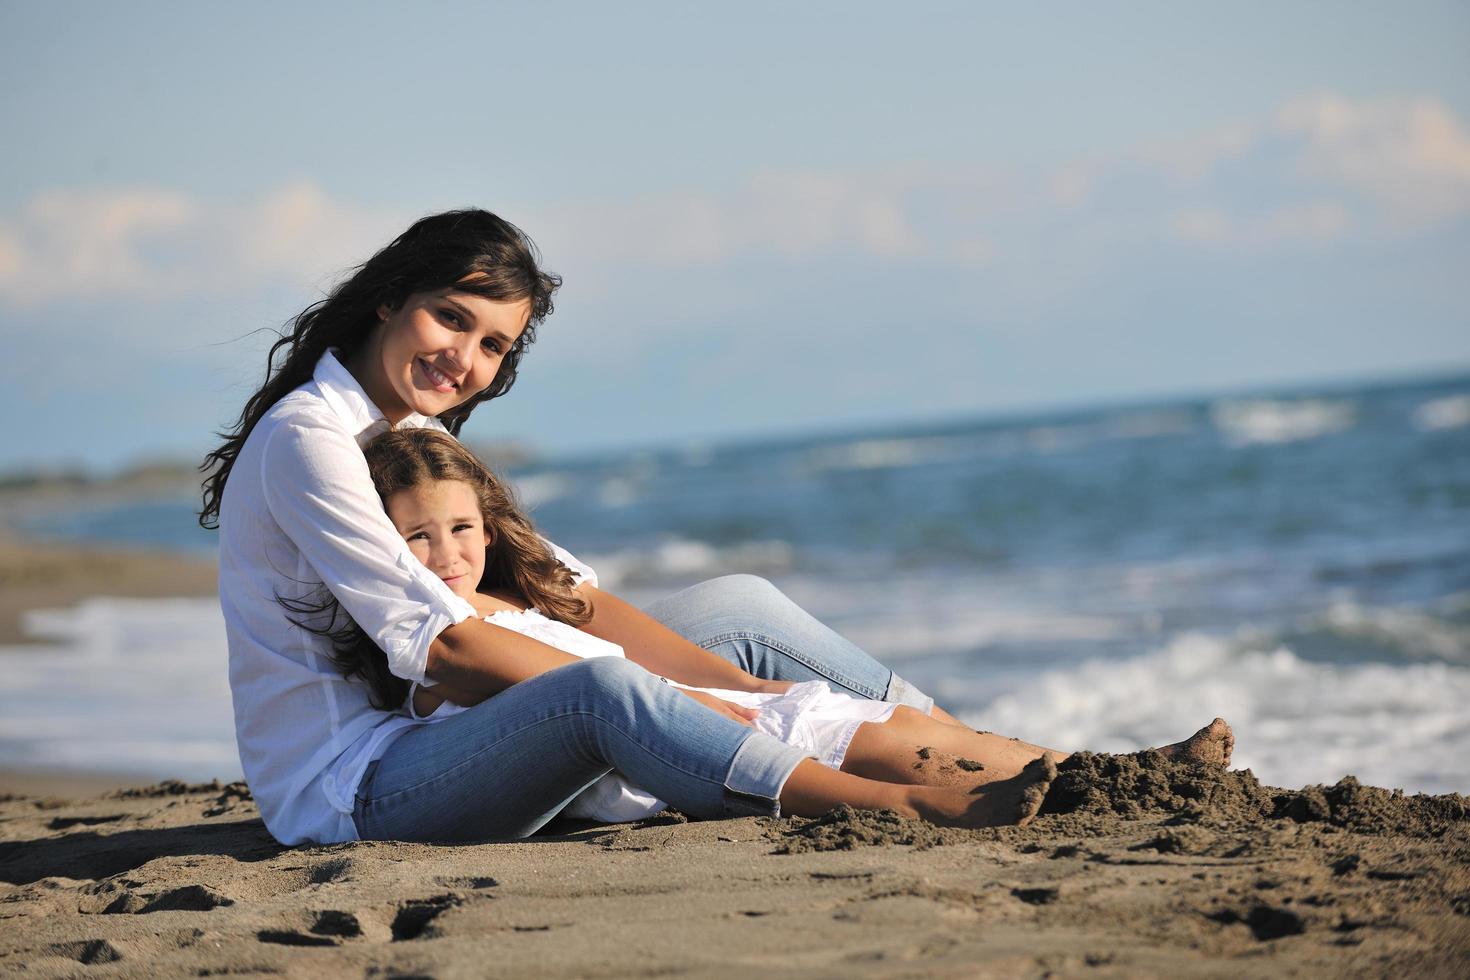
[473, 660]
[471, 665]
[654, 646]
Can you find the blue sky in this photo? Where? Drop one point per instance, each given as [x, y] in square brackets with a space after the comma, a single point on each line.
[769, 219]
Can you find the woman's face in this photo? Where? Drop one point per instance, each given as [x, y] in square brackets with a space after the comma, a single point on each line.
[436, 351]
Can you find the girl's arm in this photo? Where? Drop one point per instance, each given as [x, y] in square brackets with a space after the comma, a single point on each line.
[655, 647]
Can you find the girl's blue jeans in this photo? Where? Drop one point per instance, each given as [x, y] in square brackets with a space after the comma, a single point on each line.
[507, 766]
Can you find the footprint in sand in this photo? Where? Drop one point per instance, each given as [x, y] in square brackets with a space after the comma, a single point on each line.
[189, 898]
[329, 927]
[88, 952]
[414, 917]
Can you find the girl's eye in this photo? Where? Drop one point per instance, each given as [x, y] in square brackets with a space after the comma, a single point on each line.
[417, 536]
[451, 316]
[463, 527]
[491, 344]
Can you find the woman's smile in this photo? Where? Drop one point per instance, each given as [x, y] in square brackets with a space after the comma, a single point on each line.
[436, 350]
[438, 380]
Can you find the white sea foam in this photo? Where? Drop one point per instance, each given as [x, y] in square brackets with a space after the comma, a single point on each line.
[618, 491]
[679, 559]
[132, 685]
[874, 454]
[1296, 722]
[1449, 412]
[895, 636]
[1411, 634]
[1245, 423]
[533, 491]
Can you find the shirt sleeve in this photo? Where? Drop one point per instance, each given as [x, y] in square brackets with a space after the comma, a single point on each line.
[318, 489]
[581, 571]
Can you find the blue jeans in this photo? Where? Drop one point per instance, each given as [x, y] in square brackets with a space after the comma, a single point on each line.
[752, 624]
[507, 766]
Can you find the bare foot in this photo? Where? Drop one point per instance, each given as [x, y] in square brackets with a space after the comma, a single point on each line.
[1003, 803]
[1211, 745]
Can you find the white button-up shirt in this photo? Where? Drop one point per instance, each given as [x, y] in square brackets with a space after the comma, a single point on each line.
[299, 511]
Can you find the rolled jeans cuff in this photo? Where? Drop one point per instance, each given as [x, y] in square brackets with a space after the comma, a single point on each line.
[901, 691]
[759, 770]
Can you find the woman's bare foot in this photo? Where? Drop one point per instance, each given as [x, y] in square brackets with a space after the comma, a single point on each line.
[1211, 745]
[1003, 803]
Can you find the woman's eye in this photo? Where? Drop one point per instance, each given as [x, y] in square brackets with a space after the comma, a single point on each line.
[451, 316]
[493, 346]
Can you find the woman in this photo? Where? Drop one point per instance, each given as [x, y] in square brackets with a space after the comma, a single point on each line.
[428, 328]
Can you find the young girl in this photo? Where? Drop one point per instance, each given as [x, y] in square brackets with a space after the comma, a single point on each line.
[464, 525]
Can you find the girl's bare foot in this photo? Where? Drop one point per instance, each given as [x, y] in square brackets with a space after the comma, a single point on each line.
[1003, 803]
[1211, 745]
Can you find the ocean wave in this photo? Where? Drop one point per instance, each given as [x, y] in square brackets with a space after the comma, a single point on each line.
[1296, 721]
[897, 636]
[1264, 421]
[1449, 412]
[138, 686]
[679, 560]
[1351, 632]
[536, 489]
[875, 454]
[1041, 439]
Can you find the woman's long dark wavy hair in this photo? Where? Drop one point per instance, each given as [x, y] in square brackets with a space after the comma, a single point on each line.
[517, 560]
[471, 250]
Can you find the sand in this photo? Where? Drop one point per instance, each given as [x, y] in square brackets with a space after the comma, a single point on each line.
[1137, 866]
[46, 575]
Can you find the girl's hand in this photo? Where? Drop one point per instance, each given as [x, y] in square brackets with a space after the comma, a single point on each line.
[746, 716]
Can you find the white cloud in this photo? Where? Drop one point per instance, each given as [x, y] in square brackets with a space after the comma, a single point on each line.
[1274, 226]
[1319, 168]
[793, 213]
[150, 243]
[1412, 156]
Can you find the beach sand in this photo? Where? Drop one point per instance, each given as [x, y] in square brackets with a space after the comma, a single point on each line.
[1138, 866]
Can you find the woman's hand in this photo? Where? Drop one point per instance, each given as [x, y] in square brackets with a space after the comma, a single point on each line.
[746, 716]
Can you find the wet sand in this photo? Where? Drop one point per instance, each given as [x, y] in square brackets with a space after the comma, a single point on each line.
[1137, 866]
[45, 575]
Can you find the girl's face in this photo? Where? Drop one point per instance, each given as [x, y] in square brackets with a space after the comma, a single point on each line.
[436, 351]
[442, 524]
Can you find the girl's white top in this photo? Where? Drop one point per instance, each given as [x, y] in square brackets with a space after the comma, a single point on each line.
[809, 716]
[299, 513]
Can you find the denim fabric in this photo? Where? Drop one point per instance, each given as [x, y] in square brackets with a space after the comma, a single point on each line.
[505, 767]
[750, 623]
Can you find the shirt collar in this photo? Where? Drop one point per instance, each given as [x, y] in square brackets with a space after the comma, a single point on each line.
[351, 404]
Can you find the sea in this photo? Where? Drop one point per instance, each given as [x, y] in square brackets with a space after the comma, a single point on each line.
[1296, 561]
